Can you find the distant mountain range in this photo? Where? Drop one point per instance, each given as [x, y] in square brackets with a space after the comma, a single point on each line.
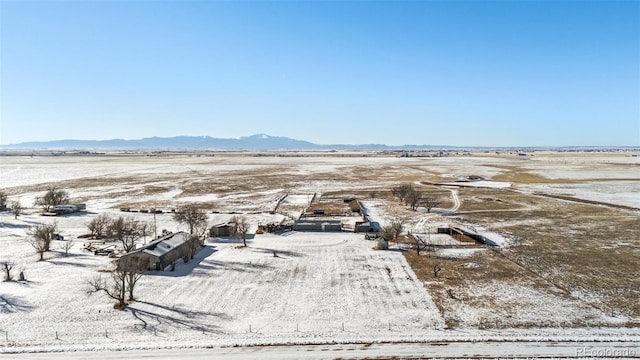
[254, 142]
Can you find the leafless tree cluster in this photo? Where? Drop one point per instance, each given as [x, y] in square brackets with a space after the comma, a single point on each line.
[54, 196]
[401, 191]
[98, 226]
[123, 281]
[16, 206]
[413, 197]
[393, 230]
[127, 230]
[133, 269]
[194, 218]
[40, 237]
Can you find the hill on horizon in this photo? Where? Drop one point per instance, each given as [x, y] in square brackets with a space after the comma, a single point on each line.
[253, 142]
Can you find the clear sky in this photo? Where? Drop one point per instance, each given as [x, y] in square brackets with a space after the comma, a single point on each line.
[495, 73]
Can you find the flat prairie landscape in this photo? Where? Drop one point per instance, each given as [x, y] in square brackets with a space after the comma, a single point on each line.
[563, 266]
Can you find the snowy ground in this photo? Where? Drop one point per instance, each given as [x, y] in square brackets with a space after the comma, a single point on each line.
[434, 350]
[316, 286]
[320, 288]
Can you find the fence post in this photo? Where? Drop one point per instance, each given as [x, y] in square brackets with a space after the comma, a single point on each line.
[106, 333]
[343, 326]
[389, 325]
[57, 335]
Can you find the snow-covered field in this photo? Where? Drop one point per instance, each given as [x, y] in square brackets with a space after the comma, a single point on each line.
[316, 285]
[320, 288]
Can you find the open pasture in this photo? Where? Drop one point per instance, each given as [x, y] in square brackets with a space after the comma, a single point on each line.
[569, 262]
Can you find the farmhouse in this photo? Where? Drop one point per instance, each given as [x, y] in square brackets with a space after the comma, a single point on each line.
[160, 253]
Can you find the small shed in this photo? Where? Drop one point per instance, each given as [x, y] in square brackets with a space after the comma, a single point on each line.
[367, 227]
[225, 229]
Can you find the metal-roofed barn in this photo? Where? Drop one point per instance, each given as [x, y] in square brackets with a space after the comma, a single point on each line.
[160, 253]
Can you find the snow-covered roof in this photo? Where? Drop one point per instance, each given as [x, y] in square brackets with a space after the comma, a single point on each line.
[225, 224]
[165, 244]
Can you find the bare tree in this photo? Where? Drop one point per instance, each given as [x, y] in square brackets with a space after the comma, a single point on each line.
[243, 228]
[7, 266]
[233, 226]
[39, 245]
[387, 232]
[127, 230]
[401, 191]
[193, 217]
[98, 226]
[123, 280]
[145, 230]
[397, 224]
[132, 267]
[429, 202]
[413, 198]
[3, 200]
[41, 236]
[54, 196]
[436, 269]
[392, 231]
[17, 208]
[419, 244]
[194, 244]
[66, 246]
[115, 289]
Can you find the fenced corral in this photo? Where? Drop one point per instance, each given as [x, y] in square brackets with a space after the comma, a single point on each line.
[334, 214]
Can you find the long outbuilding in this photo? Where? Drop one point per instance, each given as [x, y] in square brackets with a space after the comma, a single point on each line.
[160, 253]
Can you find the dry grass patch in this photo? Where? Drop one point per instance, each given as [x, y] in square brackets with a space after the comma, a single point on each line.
[521, 175]
[589, 250]
[487, 290]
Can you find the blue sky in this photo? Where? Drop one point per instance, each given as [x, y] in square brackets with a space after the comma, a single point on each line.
[457, 73]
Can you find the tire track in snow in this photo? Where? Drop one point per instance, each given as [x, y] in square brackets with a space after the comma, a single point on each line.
[456, 200]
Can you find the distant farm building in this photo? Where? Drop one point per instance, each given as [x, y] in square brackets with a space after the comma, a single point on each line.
[367, 227]
[65, 209]
[225, 229]
[331, 214]
[318, 225]
[160, 253]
